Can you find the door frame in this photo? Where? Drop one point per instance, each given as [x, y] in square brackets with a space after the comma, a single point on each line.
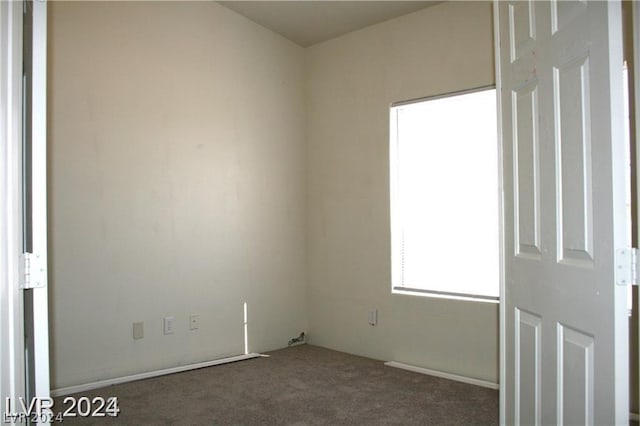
[24, 361]
[12, 364]
[37, 308]
[502, 350]
[635, 138]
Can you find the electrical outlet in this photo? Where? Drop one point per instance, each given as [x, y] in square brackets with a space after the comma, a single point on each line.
[169, 325]
[138, 330]
[373, 317]
[194, 322]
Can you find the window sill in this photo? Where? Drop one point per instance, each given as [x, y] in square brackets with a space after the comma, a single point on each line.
[444, 295]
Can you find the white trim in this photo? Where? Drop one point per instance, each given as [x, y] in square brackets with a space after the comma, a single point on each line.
[620, 185]
[457, 378]
[445, 295]
[126, 379]
[40, 305]
[12, 367]
[502, 312]
[635, 77]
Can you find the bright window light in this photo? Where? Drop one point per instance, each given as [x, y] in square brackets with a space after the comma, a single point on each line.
[444, 196]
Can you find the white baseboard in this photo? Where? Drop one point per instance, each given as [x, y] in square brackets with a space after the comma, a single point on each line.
[118, 380]
[464, 379]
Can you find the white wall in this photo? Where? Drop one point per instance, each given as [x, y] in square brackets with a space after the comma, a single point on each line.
[176, 185]
[351, 82]
[180, 183]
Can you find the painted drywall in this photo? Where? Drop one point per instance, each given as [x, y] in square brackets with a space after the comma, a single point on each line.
[177, 153]
[351, 82]
[180, 184]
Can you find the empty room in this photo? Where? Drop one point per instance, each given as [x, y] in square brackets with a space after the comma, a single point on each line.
[318, 212]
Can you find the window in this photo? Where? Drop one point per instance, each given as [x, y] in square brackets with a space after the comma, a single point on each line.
[444, 197]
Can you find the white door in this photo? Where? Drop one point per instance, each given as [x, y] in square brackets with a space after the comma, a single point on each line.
[24, 366]
[564, 325]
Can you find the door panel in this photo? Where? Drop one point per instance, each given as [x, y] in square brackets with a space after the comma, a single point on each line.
[527, 367]
[564, 326]
[526, 171]
[575, 377]
[563, 12]
[573, 162]
[522, 29]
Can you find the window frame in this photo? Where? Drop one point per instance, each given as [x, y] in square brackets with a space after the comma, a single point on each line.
[394, 182]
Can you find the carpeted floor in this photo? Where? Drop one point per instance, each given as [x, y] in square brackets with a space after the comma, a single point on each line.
[302, 385]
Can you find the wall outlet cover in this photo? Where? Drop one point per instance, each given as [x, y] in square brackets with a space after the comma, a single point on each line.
[169, 325]
[138, 330]
[194, 322]
[373, 317]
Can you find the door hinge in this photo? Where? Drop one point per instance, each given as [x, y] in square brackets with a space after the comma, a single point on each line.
[627, 266]
[34, 272]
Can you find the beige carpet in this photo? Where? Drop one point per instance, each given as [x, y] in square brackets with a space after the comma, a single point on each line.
[302, 385]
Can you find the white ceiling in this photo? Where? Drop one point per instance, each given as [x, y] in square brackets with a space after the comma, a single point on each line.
[309, 22]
